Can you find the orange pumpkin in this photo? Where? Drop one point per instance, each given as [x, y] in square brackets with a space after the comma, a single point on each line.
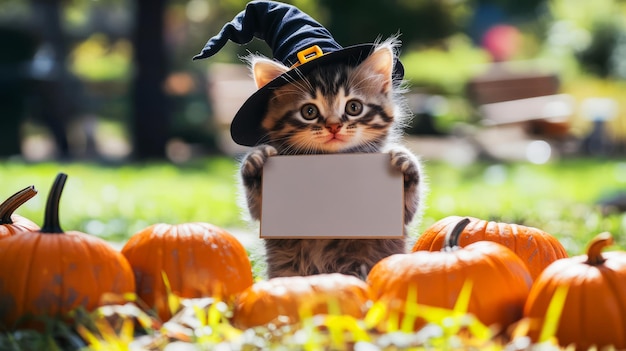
[50, 272]
[12, 223]
[290, 297]
[594, 309]
[197, 259]
[500, 280]
[534, 246]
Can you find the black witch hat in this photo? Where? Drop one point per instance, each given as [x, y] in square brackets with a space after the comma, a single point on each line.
[296, 40]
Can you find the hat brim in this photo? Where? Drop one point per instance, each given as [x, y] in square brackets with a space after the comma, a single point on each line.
[246, 128]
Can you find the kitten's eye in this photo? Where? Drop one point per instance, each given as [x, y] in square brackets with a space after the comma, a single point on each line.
[309, 112]
[354, 107]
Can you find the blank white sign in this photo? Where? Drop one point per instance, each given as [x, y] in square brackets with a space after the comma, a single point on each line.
[332, 196]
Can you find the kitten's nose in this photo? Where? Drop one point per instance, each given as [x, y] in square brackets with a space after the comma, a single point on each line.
[334, 127]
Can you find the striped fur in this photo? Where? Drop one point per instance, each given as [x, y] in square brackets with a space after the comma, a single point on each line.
[336, 109]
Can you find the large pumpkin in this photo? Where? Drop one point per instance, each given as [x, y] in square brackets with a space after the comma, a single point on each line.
[290, 297]
[12, 223]
[594, 309]
[534, 246]
[500, 281]
[50, 272]
[196, 259]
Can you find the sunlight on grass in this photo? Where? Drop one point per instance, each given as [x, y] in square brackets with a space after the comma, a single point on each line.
[114, 202]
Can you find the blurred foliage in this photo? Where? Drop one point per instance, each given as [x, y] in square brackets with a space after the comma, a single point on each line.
[444, 69]
[580, 40]
[592, 33]
[98, 59]
[419, 21]
[589, 86]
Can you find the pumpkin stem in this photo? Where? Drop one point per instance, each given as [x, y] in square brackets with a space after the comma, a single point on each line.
[51, 218]
[451, 241]
[594, 251]
[13, 202]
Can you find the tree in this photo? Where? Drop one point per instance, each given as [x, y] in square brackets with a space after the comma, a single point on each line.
[150, 104]
[362, 21]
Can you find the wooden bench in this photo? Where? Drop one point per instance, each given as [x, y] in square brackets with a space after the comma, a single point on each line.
[530, 99]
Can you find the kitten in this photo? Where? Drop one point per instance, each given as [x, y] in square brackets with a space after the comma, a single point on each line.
[334, 109]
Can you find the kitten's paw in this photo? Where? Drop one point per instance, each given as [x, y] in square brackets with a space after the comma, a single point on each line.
[252, 165]
[407, 163]
[404, 161]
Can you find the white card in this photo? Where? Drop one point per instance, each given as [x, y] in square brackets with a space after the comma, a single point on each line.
[332, 196]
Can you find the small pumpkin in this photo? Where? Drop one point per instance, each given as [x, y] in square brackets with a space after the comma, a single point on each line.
[197, 259]
[50, 272]
[534, 246]
[500, 280]
[283, 300]
[12, 223]
[594, 309]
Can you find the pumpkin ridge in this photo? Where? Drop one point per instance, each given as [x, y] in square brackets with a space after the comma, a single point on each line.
[557, 247]
[462, 264]
[551, 246]
[229, 261]
[512, 279]
[580, 281]
[142, 273]
[207, 252]
[517, 233]
[167, 265]
[17, 245]
[181, 234]
[451, 262]
[496, 232]
[610, 276]
[489, 260]
[95, 285]
[493, 261]
[482, 226]
[503, 270]
[472, 227]
[61, 271]
[32, 258]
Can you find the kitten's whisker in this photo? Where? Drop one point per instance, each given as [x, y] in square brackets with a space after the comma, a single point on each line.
[301, 83]
[304, 80]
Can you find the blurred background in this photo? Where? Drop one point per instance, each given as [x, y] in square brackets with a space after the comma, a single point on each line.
[520, 111]
[113, 80]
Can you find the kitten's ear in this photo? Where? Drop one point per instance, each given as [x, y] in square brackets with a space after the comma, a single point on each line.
[265, 70]
[381, 62]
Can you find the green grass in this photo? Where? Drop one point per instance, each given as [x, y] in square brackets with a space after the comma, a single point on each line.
[560, 198]
[114, 202]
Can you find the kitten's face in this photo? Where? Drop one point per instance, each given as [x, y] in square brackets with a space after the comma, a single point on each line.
[333, 109]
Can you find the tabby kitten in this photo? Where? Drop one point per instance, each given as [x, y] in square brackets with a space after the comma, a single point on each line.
[334, 109]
